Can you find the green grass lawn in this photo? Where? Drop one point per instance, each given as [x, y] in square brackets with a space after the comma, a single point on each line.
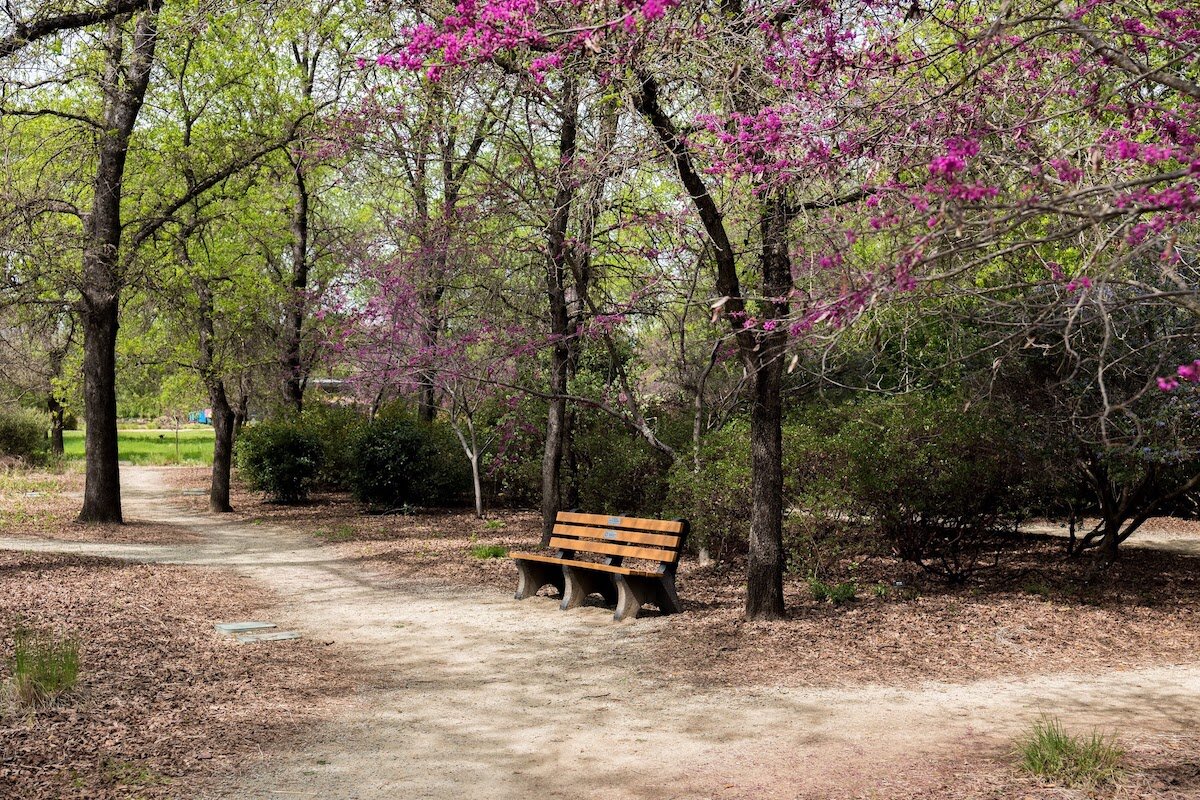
[152, 447]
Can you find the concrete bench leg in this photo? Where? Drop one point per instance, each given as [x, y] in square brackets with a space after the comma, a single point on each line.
[634, 592]
[533, 575]
[582, 582]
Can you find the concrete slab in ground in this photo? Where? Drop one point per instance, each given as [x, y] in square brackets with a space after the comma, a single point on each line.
[241, 627]
[272, 636]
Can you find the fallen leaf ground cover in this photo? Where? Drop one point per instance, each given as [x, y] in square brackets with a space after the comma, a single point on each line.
[1155, 766]
[1036, 613]
[44, 504]
[164, 703]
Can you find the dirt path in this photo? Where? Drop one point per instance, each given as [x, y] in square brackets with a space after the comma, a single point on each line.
[470, 695]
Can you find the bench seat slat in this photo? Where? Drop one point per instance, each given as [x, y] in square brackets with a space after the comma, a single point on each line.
[626, 551]
[637, 523]
[585, 564]
[617, 535]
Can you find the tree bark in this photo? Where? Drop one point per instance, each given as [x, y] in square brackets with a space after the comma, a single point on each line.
[555, 427]
[296, 374]
[764, 579]
[241, 412]
[57, 416]
[125, 88]
[430, 329]
[761, 351]
[102, 476]
[477, 484]
[764, 573]
[556, 291]
[224, 419]
[223, 427]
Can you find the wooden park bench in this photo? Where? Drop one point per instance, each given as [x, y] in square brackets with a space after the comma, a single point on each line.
[614, 541]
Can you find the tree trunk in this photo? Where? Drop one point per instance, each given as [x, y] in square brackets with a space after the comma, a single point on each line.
[764, 579]
[296, 373]
[478, 485]
[102, 480]
[552, 456]
[241, 413]
[223, 427]
[556, 291]
[1109, 544]
[764, 574]
[430, 329]
[125, 87]
[57, 416]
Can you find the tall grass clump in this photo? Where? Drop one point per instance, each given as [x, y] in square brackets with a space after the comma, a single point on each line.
[485, 551]
[1050, 753]
[44, 667]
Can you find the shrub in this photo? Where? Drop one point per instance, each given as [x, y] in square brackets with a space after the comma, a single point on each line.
[43, 667]
[615, 470]
[1049, 752]
[835, 593]
[23, 434]
[280, 457]
[400, 461]
[338, 429]
[944, 484]
[715, 497]
[512, 468]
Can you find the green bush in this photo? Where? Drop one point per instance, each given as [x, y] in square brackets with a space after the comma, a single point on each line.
[835, 593]
[23, 434]
[1050, 753]
[943, 482]
[716, 497]
[43, 667]
[512, 468]
[281, 457]
[338, 428]
[400, 461]
[615, 470]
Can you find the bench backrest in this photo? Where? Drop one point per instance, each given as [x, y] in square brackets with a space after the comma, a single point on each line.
[618, 538]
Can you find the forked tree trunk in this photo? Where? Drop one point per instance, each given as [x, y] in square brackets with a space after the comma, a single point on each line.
[764, 353]
[125, 87]
[556, 291]
[761, 351]
[296, 373]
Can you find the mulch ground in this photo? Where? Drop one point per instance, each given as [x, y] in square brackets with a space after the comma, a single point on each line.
[44, 505]
[163, 701]
[1036, 613]
[1155, 766]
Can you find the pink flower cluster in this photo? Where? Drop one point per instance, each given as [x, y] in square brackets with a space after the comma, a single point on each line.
[1186, 372]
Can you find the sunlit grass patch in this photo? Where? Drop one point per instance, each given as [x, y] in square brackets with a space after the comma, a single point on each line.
[44, 667]
[1050, 753]
[484, 551]
[152, 447]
